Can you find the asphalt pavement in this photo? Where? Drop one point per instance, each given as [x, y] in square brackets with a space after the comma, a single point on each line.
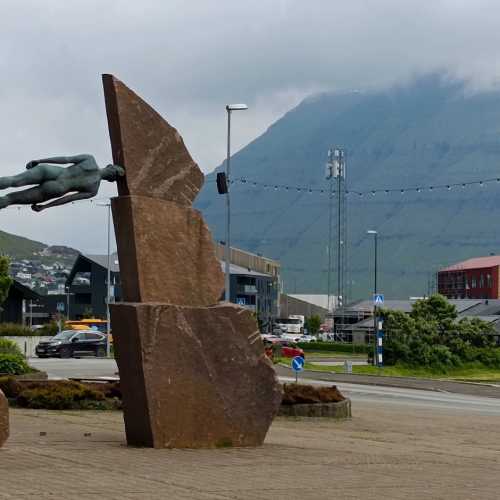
[433, 400]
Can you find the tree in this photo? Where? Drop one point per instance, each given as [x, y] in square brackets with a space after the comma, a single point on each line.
[312, 324]
[431, 335]
[5, 280]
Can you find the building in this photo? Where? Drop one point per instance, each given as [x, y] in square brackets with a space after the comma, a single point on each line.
[304, 305]
[477, 278]
[254, 285]
[18, 301]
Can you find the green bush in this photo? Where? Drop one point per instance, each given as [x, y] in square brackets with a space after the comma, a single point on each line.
[9, 347]
[61, 394]
[16, 330]
[49, 330]
[432, 337]
[335, 346]
[58, 398]
[13, 364]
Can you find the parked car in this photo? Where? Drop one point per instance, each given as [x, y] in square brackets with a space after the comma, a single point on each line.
[308, 338]
[69, 343]
[288, 349]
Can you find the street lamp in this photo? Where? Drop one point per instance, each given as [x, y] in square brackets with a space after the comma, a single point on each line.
[375, 234]
[375, 326]
[108, 298]
[227, 249]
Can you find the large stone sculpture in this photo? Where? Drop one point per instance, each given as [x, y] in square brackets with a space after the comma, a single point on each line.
[63, 185]
[4, 419]
[193, 372]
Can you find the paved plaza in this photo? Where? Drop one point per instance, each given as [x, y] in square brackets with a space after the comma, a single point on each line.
[385, 451]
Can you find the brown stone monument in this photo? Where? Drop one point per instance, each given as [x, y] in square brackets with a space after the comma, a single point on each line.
[193, 371]
[4, 419]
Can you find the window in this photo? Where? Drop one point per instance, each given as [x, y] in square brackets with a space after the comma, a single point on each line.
[473, 282]
[481, 280]
[488, 280]
[93, 336]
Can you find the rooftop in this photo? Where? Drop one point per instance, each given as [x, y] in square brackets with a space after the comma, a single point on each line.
[474, 263]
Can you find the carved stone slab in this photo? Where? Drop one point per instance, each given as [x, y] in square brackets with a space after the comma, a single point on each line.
[152, 152]
[193, 377]
[166, 253]
[4, 419]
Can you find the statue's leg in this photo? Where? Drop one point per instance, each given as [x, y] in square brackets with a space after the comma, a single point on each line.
[25, 197]
[36, 175]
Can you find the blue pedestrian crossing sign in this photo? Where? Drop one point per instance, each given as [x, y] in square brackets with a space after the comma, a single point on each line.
[298, 363]
[378, 299]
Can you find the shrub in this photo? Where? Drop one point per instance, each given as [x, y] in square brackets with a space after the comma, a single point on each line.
[13, 364]
[61, 394]
[301, 394]
[57, 398]
[49, 330]
[9, 347]
[15, 330]
[335, 346]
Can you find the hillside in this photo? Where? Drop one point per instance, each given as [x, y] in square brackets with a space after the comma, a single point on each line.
[18, 248]
[425, 134]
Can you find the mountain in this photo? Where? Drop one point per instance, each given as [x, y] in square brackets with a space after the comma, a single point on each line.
[19, 248]
[425, 134]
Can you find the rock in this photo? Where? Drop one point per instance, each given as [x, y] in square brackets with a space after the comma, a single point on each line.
[4, 419]
[152, 152]
[193, 377]
[166, 253]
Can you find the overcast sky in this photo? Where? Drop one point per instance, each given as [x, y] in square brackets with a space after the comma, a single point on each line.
[188, 58]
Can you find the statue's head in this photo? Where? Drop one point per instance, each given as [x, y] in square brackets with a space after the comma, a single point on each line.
[111, 173]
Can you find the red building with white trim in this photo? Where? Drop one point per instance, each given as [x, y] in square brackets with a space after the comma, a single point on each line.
[477, 278]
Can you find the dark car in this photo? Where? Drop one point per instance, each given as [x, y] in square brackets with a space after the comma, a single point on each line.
[73, 343]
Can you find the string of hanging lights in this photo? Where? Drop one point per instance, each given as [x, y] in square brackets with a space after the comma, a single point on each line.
[372, 192]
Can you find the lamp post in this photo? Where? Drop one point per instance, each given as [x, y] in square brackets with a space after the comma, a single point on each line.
[108, 292]
[227, 249]
[375, 325]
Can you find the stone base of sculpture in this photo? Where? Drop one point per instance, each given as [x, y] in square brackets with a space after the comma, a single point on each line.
[193, 377]
[4, 419]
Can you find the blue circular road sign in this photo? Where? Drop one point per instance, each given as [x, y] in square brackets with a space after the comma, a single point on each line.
[298, 363]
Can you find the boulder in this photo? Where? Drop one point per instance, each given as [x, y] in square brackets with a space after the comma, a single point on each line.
[156, 161]
[193, 377]
[4, 419]
[166, 253]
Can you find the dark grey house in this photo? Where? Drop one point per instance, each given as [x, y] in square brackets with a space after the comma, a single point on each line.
[87, 285]
[15, 306]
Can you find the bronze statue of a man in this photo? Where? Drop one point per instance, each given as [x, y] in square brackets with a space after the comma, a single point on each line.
[79, 181]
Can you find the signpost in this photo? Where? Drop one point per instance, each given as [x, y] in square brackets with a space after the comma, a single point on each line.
[297, 366]
[378, 301]
[60, 310]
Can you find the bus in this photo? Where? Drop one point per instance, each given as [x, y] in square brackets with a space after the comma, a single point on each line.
[87, 324]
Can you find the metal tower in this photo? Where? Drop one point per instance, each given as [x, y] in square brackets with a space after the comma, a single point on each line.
[335, 174]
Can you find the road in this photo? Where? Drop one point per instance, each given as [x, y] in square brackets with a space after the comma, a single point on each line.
[437, 401]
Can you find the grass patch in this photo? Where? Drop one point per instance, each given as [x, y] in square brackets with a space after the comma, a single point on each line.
[472, 372]
[334, 354]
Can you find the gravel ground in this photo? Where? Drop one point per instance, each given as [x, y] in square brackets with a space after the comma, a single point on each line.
[386, 452]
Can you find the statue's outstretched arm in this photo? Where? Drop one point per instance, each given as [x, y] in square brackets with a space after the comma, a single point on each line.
[63, 200]
[59, 160]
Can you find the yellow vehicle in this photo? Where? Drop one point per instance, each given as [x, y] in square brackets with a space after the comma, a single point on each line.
[87, 324]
